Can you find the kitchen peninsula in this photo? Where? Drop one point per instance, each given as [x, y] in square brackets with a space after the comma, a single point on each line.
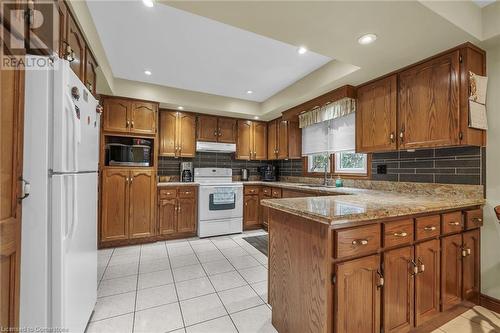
[389, 256]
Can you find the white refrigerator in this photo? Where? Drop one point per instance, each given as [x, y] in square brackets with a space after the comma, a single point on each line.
[59, 217]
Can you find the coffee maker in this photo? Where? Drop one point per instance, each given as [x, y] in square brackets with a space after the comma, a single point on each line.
[186, 171]
[269, 173]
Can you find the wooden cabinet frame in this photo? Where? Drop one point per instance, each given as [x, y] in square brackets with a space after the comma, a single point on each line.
[177, 134]
[252, 140]
[216, 129]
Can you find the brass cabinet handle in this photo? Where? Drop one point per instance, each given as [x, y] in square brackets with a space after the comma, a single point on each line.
[401, 135]
[220, 132]
[215, 133]
[131, 179]
[469, 251]
[455, 223]
[132, 124]
[421, 265]
[128, 123]
[391, 137]
[400, 234]
[430, 228]
[381, 280]
[168, 193]
[414, 268]
[477, 220]
[464, 252]
[360, 242]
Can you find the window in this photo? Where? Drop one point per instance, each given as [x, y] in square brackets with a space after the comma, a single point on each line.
[316, 163]
[350, 163]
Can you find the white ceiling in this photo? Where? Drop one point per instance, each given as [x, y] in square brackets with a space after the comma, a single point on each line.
[483, 3]
[191, 52]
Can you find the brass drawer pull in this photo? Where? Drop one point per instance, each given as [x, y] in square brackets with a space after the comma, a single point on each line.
[430, 228]
[454, 223]
[421, 265]
[400, 234]
[168, 193]
[381, 280]
[477, 220]
[360, 242]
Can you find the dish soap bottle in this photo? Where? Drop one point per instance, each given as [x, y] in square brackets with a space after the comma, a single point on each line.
[339, 182]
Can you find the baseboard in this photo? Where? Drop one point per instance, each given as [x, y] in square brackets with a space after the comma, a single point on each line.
[489, 303]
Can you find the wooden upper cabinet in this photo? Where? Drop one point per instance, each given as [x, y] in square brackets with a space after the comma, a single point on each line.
[272, 139]
[427, 281]
[357, 293]
[398, 290]
[177, 134]
[244, 144]
[471, 265]
[227, 130]
[90, 71]
[207, 129]
[451, 266]
[376, 116]
[116, 115]
[142, 203]
[114, 204]
[260, 141]
[186, 134]
[143, 117]
[76, 42]
[130, 116]
[282, 139]
[216, 129]
[429, 109]
[168, 133]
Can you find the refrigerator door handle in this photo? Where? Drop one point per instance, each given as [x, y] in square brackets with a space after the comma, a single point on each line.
[74, 217]
[76, 126]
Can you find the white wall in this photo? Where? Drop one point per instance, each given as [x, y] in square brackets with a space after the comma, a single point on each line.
[490, 234]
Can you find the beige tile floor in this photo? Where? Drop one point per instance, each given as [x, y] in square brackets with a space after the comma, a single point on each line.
[215, 285]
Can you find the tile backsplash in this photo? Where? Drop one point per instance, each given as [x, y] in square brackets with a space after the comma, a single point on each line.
[455, 165]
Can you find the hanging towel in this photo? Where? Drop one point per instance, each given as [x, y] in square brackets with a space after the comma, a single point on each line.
[224, 196]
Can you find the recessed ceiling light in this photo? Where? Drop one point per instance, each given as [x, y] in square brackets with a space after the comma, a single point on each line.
[302, 50]
[367, 39]
[148, 3]
[249, 92]
[256, 117]
[147, 72]
[180, 107]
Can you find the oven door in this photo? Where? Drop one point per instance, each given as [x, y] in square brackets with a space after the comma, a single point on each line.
[217, 202]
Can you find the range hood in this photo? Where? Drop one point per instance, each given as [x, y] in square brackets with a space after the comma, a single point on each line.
[215, 147]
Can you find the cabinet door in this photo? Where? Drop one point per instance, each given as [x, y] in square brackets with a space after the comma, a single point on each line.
[143, 117]
[187, 135]
[77, 44]
[186, 215]
[227, 130]
[259, 141]
[471, 265]
[142, 203]
[376, 116]
[451, 266]
[272, 142]
[251, 211]
[282, 139]
[90, 71]
[398, 293]
[357, 295]
[168, 132]
[207, 129]
[427, 281]
[167, 216]
[114, 204]
[244, 146]
[11, 166]
[116, 113]
[429, 103]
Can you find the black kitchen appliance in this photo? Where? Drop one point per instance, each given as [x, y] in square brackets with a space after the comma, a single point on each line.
[186, 172]
[269, 173]
[128, 152]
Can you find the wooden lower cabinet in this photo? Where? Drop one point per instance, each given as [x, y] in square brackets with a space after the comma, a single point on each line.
[127, 204]
[177, 211]
[451, 266]
[251, 208]
[357, 295]
[427, 281]
[398, 291]
[471, 265]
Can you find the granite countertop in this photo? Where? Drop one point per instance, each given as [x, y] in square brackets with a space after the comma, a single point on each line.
[353, 206]
[163, 184]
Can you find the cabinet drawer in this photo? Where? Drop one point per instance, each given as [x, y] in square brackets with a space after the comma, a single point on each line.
[452, 222]
[428, 226]
[473, 218]
[398, 232]
[276, 193]
[267, 191]
[168, 193]
[187, 192]
[251, 190]
[357, 241]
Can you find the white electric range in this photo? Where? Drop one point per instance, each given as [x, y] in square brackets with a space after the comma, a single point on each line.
[220, 202]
